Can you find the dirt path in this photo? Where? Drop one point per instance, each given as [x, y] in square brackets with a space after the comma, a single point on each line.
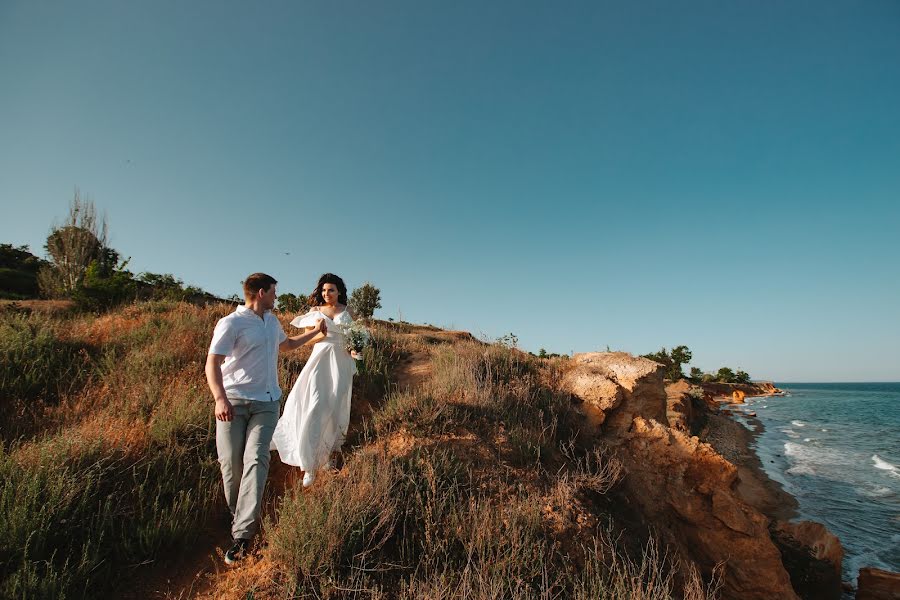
[199, 571]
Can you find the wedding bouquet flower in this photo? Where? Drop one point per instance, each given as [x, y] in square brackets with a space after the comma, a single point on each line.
[357, 335]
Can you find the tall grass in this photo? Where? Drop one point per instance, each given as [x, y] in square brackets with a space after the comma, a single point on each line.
[37, 368]
[123, 469]
[436, 523]
[420, 527]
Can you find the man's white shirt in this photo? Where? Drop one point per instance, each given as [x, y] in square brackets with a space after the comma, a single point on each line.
[250, 346]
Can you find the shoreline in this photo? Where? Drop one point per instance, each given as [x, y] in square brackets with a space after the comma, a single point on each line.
[737, 444]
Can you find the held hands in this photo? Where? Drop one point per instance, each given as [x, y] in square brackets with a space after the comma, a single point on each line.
[321, 327]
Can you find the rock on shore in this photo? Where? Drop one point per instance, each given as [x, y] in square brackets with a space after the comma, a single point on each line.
[684, 488]
[875, 584]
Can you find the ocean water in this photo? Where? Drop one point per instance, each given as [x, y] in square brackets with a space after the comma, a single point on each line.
[836, 448]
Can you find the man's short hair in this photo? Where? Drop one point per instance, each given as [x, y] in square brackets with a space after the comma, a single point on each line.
[256, 282]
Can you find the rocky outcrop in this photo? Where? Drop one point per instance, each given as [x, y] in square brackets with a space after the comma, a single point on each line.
[619, 385]
[685, 489]
[875, 584]
[727, 390]
[812, 556]
[679, 409]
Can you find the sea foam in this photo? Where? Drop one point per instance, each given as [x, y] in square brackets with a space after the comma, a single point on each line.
[885, 465]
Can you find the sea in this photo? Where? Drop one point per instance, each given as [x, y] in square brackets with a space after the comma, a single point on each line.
[836, 448]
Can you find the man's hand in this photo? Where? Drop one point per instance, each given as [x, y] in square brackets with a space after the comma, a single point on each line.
[224, 411]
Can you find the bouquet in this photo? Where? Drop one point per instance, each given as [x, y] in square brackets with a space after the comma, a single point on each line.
[358, 337]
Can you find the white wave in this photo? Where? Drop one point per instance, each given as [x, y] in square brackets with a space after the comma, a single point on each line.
[825, 462]
[876, 492]
[801, 470]
[807, 439]
[823, 430]
[884, 465]
[870, 558]
[798, 423]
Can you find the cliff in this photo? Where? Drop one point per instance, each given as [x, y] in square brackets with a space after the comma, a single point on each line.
[691, 494]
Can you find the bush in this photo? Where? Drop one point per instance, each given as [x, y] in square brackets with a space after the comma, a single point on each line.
[291, 303]
[364, 300]
[104, 287]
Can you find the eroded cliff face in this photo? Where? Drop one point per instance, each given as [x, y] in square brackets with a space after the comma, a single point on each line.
[687, 489]
[620, 386]
[683, 487]
[679, 405]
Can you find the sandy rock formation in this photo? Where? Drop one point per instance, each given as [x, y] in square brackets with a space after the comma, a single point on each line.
[620, 385]
[727, 390]
[686, 490]
[813, 556]
[679, 410]
[875, 584]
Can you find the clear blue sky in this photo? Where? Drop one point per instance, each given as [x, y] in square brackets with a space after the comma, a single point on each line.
[724, 175]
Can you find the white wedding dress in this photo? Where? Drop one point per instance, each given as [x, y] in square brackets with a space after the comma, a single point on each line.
[317, 411]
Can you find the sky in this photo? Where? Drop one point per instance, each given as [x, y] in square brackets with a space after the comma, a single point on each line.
[585, 175]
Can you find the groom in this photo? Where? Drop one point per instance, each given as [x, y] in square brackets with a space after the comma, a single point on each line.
[241, 369]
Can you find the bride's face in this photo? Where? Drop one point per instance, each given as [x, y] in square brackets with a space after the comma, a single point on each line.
[330, 294]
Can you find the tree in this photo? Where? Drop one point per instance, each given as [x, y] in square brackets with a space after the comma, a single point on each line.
[741, 377]
[542, 353]
[696, 374]
[680, 355]
[291, 303]
[18, 272]
[672, 361]
[725, 375]
[364, 300]
[72, 247]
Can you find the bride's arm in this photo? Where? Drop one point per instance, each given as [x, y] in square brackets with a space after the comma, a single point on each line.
[311, 334]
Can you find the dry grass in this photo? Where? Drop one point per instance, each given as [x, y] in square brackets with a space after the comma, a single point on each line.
[114, 462]
[473, 483]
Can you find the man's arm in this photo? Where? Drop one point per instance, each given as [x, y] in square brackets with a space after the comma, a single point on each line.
[292, 343]
[224, 412]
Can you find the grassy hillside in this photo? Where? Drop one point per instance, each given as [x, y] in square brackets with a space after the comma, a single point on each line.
[466, 474]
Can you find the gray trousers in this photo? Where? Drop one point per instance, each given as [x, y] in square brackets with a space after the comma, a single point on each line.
[243, 448]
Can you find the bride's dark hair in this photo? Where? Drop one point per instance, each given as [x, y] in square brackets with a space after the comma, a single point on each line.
[316, 299]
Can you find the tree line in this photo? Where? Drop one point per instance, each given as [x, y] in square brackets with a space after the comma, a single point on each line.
[82, 267]
[673, 360]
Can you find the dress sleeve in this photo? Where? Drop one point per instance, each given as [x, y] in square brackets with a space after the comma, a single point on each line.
[310, 319]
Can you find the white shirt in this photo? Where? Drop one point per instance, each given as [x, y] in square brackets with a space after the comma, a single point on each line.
[250, 347]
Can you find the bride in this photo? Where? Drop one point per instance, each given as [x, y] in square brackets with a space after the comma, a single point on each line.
[317, 411]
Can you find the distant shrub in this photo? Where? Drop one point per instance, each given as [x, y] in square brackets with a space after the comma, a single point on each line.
[364, 300]
[293, 303]
[104, 286]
